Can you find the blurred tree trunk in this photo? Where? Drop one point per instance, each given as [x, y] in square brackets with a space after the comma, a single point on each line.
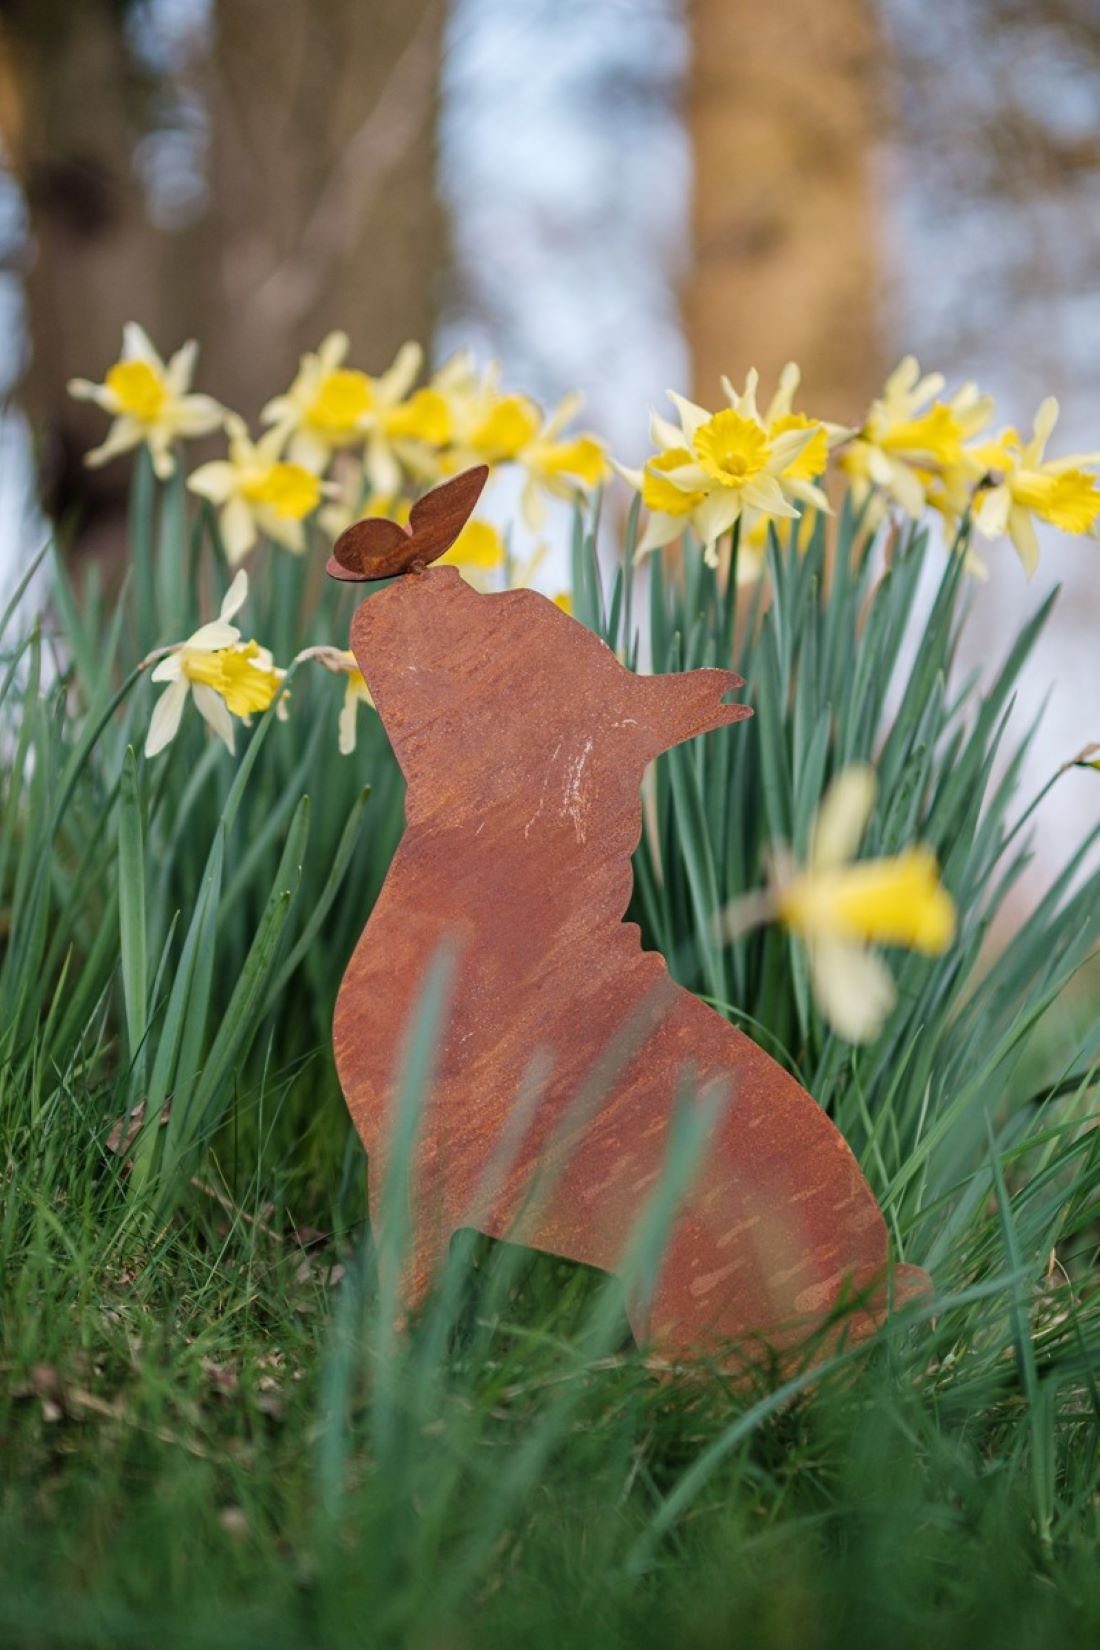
[320, 207]
[323, 208]
[781, 116]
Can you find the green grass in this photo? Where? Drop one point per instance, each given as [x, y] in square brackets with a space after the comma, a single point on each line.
[209, 1432]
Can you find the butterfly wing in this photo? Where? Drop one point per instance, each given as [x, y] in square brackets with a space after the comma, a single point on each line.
[371, 549]
[439, 517]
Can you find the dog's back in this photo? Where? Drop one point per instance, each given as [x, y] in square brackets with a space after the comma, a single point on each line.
[523, 742]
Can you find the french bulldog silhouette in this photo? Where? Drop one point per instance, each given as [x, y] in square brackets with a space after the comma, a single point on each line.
[523, 742]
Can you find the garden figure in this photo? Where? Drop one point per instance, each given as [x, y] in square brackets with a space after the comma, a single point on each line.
[523, 742]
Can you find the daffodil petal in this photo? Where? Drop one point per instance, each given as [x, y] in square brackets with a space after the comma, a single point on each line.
[211, 637]
[168, 670]
[165, 720]
[349, 715]
[691, 414]
[852, 987]
[332, 351]
[199, 415]
[665, 434]
[238, 530]
[765, 493]
[717, 513]
[235, 597]
[178, 372]
[1042, 430]
[214, 481]
[383, 470]
[398, 379]
[215, 712]
[991, 515]
[1021, 530]
[843, 815]
[122, 437]
[137, 346]
[660, 530]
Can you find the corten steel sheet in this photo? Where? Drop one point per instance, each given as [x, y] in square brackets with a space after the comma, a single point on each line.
[523, 742]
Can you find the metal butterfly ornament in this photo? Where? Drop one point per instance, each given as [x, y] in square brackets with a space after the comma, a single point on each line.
[377, 548]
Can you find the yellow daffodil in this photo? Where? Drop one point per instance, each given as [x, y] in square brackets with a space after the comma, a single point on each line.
[1022, 483]
[149, 401]
[257, 492]
[477, 552]
[486, 425]
[226, 677]
[329, 406]
[490, 426]
[342, 662]
[840, 906]
[798, 479]
[910, 441]
[711, 468]
[557, 465]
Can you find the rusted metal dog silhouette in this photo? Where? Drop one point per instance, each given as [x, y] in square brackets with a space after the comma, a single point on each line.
[523, 743]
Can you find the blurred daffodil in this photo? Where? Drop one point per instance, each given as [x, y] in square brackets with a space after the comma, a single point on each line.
[226, 677]
[840, 906]
[329, 406]
[257, 492]
[150, 402]
[492, 426]
[910, 441]
[486, 424]
[342, 662]
[1022, 483]
[477, 552]
[351, 498]
[557, 465]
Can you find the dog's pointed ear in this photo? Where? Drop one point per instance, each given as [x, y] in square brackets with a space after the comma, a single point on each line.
[680, 707]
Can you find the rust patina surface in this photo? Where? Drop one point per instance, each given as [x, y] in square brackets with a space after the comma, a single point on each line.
[523, 742]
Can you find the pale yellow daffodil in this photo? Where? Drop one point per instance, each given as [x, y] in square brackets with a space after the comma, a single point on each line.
[150, 401]
[910, 441]
[486, 424]
[226, 677]
[798, 479]
[342, 662]
[556, 465]
[477, 552]
[257, 492]
[329, 406]
[351, 499]
[492, 426]
[840, 906]
[1023, 483]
